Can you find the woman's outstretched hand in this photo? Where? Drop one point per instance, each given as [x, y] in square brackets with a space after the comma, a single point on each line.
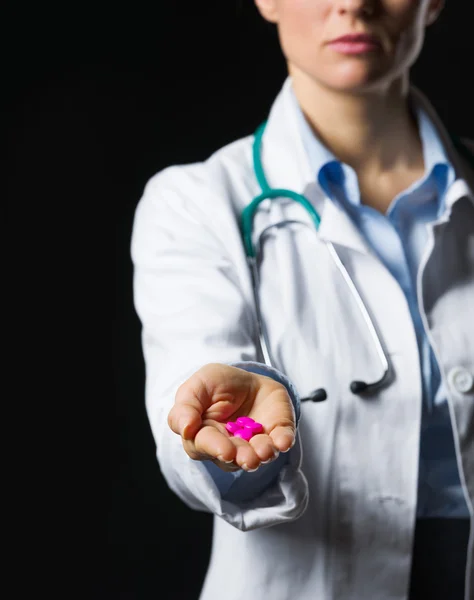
[218, 393]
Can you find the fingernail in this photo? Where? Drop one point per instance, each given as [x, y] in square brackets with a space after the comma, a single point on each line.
[292, 444]
[183, 426]
[276, 454]
[245, 468]
[227, 462]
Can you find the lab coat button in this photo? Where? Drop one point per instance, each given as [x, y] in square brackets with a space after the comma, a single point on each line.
[461, 380]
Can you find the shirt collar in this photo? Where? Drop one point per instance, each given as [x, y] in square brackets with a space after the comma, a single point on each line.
[434, 153]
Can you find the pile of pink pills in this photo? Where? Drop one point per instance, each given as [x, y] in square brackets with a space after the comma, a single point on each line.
[244, 427]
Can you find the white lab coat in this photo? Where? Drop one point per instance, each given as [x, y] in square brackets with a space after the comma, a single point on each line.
[339, 522]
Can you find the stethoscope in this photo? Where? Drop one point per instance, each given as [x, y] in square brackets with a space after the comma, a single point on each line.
[253, 253]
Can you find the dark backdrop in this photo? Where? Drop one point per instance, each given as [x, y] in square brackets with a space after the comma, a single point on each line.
[101, 98]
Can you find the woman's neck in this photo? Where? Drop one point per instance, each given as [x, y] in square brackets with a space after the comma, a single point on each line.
[374, 132]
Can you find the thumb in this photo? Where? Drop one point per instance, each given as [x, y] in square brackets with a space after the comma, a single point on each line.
[185, 420]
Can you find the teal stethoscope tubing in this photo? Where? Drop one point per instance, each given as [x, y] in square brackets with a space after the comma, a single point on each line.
[247, 218]
[249, 211]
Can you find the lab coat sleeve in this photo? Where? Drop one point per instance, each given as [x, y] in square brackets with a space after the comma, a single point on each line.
[189, 299]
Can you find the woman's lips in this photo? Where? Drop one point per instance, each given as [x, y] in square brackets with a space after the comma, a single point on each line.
[356, 44]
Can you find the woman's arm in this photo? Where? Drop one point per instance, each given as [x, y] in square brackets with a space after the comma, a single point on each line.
[189, 299]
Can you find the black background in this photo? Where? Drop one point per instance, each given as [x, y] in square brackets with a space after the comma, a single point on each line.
[100, 99]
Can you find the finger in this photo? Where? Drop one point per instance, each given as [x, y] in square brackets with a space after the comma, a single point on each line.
[246, 457]
[209, 440]
[227, 467]
[197, 454]
[264, 447]
[185, 420]
[191, 401]
[212, 443]
[283, 437]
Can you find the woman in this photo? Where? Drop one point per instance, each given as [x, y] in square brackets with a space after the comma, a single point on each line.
[344, 497]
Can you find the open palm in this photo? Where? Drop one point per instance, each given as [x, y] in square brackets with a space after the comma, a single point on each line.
[218, 393]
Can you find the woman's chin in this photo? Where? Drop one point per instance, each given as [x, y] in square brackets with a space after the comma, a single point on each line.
[355, 81]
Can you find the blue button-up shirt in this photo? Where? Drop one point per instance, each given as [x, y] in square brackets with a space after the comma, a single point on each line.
[399, 239]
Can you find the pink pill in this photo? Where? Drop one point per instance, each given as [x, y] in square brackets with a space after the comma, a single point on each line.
[232, 427]
[245, 434]
[254, 427]
[242, 421]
